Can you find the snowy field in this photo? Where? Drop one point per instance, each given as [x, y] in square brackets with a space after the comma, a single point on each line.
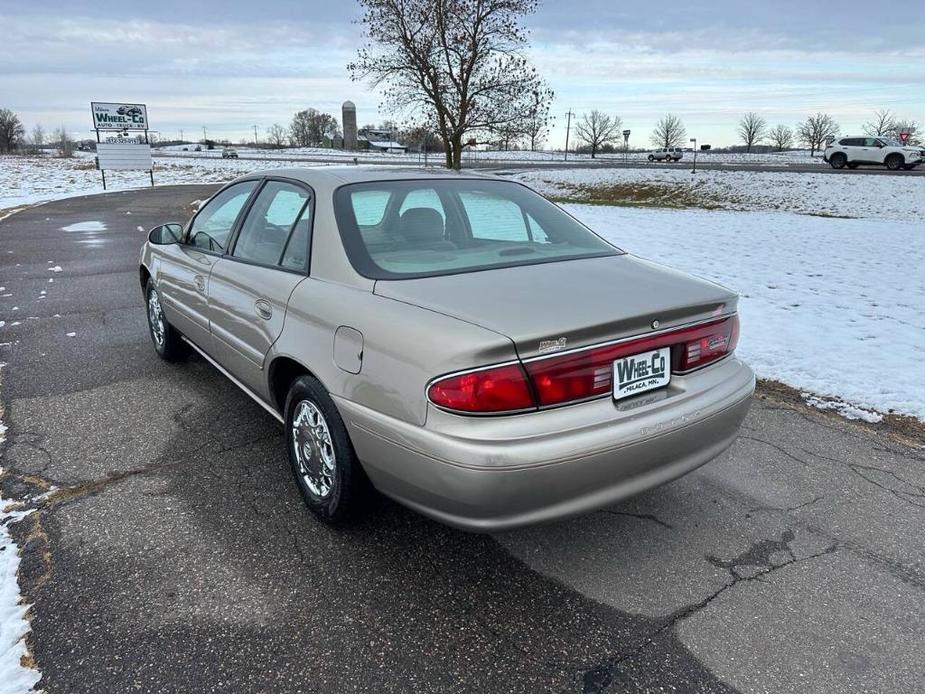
[830, 306]
[900, 198]
[488, 156]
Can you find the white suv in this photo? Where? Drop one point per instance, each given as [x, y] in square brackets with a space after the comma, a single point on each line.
[884, 151]
[673, 154]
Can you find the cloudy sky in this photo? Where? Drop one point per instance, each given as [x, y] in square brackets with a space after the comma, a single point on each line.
[229, 65]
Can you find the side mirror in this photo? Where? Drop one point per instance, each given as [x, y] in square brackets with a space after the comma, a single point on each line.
[166, 234]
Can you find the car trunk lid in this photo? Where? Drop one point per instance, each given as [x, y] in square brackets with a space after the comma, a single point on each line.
[548, 307]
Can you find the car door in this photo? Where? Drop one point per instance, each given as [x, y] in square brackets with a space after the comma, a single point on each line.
[184, 268]
[249, 287]
[875, 150]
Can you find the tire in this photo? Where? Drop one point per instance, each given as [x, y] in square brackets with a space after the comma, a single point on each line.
[838, 160]
[651, 158]
[165, 338]
[895, 162]
[321, 456]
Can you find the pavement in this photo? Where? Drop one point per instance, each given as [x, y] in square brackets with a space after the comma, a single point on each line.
[170, 550]
[494, 164]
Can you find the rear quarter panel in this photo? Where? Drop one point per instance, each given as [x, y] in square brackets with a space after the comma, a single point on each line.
[404, 346]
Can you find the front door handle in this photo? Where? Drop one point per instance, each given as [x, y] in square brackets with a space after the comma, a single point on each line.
[263, 309]
[200, 282]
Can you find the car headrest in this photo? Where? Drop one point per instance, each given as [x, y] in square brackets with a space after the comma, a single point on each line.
[421, 224]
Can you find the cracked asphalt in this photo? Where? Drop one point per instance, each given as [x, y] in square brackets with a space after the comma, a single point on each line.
[170, 550]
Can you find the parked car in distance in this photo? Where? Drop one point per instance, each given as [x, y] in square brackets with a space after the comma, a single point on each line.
[667, 155]
[879, 151]
[229, 153]
[197, 148]
[455, 341]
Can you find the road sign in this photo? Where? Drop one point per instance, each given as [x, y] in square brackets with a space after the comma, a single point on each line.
[904, 137]
[124, 156]
[626, 133]
[107, 116]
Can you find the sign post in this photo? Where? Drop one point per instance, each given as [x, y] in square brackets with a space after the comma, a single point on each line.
[626, 142]
[121, 151]
[694, 141]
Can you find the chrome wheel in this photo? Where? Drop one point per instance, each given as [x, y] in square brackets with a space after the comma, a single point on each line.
[314, 451]
[156, 319]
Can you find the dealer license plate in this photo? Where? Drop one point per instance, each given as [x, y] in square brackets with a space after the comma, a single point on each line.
[641, 372]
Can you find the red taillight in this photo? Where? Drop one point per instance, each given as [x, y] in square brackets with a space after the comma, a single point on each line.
[580, 375]
[589, 373]
[706, 344]
[499, 389]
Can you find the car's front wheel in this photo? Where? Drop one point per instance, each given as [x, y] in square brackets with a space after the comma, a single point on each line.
[323, 462]
[651, 158]
[166, 339]
[894, 162]
[838, 160]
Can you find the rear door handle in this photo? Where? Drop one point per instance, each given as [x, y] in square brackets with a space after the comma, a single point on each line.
[263, 309]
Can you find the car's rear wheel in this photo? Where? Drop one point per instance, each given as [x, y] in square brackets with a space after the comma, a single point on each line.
[838, 160]
[894, 162]
[651, 158]
[166, 339]
[323, 462]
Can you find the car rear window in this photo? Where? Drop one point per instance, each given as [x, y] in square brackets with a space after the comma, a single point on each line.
[420, 228]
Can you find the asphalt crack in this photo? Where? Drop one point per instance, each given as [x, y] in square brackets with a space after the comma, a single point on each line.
[597, 679]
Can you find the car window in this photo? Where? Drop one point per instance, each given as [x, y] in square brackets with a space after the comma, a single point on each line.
[296, 254]
[494, 217]
[426, 198]
[478, 225]
[871, 142]
[212, 226]
[267, 226]
[369, 206]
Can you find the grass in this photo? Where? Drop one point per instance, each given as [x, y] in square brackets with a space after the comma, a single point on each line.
[642, 195]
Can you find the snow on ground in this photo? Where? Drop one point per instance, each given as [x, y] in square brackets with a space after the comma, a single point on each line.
[829, 306]
[900, 198]
[29, 180]
[13, 623]
[488, 156]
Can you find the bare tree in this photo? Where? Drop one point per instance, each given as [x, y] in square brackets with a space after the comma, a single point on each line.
[781, 137]
[64, 142]
[752, 129]
[310, 127]
[536, 119]
[597, 129]
[276, 135]
[38, 137]
[457, 65]
[815, 130]
[883, 123]
[907, 126]
[669, 132]
[12, 131]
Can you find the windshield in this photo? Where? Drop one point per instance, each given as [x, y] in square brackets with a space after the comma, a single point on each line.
[420, 228]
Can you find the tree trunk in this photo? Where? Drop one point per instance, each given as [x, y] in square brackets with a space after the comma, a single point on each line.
[454, 153]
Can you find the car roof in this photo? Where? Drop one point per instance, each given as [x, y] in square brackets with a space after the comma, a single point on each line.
[333, 176]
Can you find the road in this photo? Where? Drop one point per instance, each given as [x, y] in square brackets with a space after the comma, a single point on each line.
[499, 165]
[170, 549]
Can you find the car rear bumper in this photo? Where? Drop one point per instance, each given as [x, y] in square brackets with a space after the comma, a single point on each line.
[496, 473]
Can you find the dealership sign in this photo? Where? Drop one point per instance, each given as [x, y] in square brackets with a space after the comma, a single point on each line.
[119, 116]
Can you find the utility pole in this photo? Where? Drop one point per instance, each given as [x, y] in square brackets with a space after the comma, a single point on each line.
[204, 138]
[256, 144]
[181, 134]
[568, 127]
